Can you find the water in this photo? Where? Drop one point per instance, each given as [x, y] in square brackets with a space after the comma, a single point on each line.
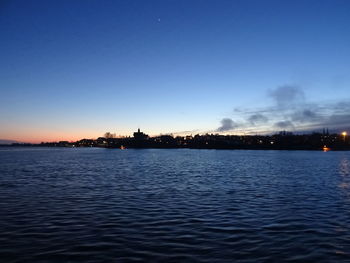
[176, 205]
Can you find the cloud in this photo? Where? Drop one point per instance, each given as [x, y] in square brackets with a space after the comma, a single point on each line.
[290, 110]
[341, 107]
[257, 119]
[337, 122]
[284, 124]
[286, 95]
[227, 124]
[306, 115]
[182, 133]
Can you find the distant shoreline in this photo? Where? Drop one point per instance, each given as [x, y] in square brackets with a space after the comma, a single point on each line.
[191, 148]
[282, 141]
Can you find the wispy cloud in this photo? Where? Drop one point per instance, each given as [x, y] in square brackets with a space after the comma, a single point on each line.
[257, 118]
[287, 95]
[284, 124]
[181, 133]
[306, 115]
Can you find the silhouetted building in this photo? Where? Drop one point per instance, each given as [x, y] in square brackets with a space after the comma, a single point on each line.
[325, 132]
[140, 135]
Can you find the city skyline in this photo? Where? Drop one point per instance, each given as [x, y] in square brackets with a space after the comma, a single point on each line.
[75, 69]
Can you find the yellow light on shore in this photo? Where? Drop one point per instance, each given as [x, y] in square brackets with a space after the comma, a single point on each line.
[344, 133]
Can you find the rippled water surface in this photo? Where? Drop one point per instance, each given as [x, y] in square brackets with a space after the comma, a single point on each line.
[178, 205]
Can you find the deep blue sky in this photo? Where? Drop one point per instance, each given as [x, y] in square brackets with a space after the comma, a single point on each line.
[73, 69]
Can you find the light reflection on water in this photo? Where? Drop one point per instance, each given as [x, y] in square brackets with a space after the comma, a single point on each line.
[344, 167]
[344, 171]
[81, 205]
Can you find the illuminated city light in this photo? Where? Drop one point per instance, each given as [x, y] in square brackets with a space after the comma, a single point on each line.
[344, 133]
[325, 148]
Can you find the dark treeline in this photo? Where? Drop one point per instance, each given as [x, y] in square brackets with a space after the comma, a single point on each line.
[281, 141]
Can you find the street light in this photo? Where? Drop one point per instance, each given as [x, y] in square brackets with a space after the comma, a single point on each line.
[344, 133]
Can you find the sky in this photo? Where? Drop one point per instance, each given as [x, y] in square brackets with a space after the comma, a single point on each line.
[77, 69]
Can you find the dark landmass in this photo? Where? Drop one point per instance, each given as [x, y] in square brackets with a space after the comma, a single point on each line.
[281, 141]
[7, 142]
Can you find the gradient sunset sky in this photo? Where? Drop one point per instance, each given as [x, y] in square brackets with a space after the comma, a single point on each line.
[76, 69]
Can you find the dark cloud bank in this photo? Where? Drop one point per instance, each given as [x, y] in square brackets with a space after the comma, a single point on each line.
[290, 110]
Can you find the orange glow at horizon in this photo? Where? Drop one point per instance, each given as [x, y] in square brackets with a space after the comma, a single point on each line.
[53, 138]
[32, 135]
[38, 137]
